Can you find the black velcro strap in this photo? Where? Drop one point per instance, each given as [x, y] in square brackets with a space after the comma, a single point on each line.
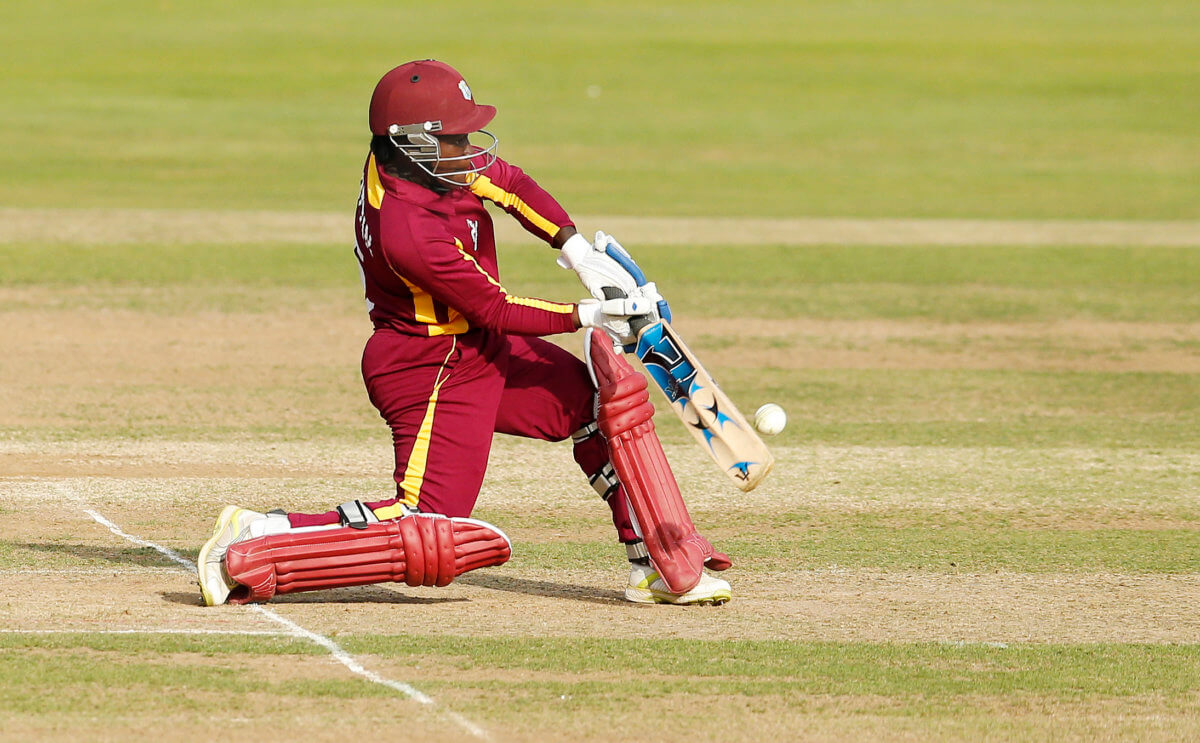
[605, 481]
[585, 433]
[356, 515]
[636, 551]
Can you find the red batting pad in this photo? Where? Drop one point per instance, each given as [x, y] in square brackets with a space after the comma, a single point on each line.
[676, 549]
[420, 550]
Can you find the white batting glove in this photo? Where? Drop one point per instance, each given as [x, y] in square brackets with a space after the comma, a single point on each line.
[614, 250]
[612, 315]
[649, 291]
[595, 267]
[603, 241]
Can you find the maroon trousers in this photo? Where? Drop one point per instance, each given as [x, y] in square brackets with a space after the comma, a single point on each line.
[445, 396]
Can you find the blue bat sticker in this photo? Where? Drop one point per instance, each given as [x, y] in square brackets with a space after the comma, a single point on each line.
[676, 376]
[666, 363]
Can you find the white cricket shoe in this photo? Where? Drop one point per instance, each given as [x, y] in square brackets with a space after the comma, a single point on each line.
[646, 587]
[232, 526]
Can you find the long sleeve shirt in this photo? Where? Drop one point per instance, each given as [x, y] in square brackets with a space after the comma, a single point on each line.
[429, 260]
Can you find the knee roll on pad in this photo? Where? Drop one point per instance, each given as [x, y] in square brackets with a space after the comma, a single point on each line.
[624, 403]
[420, 550]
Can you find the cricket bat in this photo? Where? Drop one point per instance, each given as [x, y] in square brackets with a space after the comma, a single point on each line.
[706, 411]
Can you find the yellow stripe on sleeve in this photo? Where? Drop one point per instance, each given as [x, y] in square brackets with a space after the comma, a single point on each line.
[541, 304]
[483, 187]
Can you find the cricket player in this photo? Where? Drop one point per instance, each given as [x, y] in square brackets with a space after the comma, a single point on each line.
[454, 358]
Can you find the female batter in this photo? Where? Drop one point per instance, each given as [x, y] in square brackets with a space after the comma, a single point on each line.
[454, 357]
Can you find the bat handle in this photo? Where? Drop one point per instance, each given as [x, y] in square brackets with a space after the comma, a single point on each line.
[636, 324]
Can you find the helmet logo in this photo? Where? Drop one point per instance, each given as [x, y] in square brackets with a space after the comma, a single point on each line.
[466, 91]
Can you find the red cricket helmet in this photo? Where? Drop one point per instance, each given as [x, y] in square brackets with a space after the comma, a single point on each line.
[427, 92]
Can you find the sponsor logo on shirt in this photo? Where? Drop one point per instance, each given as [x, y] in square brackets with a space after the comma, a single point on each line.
[474, 225]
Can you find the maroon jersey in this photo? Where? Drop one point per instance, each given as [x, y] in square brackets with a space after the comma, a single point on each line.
[429, 260]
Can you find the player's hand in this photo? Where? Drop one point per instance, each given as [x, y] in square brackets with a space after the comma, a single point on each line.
[599, 264]
[612, 315]
[647, 289]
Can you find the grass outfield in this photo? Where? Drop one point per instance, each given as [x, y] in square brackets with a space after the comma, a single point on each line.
[983, 524]
[1020, 109]
[886, 691]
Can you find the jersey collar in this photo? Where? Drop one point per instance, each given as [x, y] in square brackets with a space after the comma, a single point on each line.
[414, 194]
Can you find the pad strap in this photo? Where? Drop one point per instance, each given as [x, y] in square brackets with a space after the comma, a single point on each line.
[585, 433]
[605, 481]
[356, 515]
[636, 551]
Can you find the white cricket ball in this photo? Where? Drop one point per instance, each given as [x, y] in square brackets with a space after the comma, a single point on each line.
[770, 419]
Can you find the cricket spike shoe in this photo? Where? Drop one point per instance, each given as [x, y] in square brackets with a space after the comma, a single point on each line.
[646, 587]
[232, 526]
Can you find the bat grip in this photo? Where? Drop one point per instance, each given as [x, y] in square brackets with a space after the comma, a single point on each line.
[636, 324]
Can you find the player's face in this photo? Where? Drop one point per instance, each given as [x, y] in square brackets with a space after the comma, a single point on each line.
[451, 146]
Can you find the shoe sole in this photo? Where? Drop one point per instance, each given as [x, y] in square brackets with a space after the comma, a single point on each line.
[643, 596]
[223, 522]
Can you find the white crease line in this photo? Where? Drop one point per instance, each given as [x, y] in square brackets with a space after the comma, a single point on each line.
[83, 571]
[266, 633]
[171, 554]
[296, 630]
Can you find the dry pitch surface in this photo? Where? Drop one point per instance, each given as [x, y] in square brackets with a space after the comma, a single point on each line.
[100, 226]
[67, 571]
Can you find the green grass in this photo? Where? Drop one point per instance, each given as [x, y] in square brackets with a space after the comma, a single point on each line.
[147, 675]
[928, 108]
[938, 283]
[1013, 407]
[524, 688]
[979, 408]
[939, 545]
[992, 440]
[832, 408]
[930, 677]
[785, 666]
[943, 284]
[151, 644]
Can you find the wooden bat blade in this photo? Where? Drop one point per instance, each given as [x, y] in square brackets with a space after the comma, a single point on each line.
[706, 411]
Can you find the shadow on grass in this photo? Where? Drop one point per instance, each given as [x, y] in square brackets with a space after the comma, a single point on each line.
[145, 557]
[543, 588]
[382, 594]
